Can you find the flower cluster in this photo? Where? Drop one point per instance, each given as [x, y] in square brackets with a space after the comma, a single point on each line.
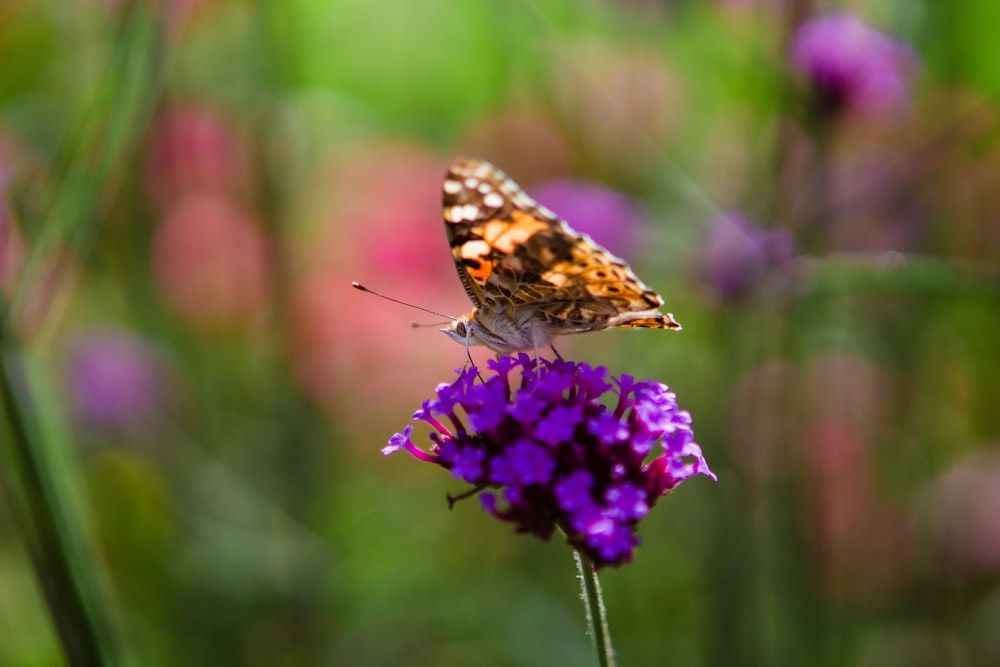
[565, 445]
[848, 64]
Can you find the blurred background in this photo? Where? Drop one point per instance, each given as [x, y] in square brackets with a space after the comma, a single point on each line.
[195, 398]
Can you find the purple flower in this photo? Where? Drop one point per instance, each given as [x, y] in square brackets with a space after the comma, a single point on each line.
[116, 380]
[849, 65]
[466, 462]
[559, 425]
[521, 464]
[608, 217]
[626, 501]
[608, 428]
[573, 492]
[569, 449]
[738, 256]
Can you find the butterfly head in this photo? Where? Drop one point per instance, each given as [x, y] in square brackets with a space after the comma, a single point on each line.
[460, 330]
[469, 331]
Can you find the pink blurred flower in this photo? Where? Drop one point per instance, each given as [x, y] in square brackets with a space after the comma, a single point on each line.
[814, 431]
[193, 150]
[863, 545]
[211, 263]
[11, 249]
[966, 516]
[12, 244]
[382, 227]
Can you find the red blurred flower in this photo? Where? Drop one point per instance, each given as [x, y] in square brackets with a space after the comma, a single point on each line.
[193, 150]
[11, 248]
[211, 263]
[862, 544]
[382, 227]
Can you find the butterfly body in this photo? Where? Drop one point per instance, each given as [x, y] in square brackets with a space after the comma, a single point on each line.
[529, 275]
[502, 329]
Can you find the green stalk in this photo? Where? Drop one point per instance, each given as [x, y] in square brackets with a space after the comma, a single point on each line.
[36, 458]
[54, 541]
[597, 618]
[97, 147]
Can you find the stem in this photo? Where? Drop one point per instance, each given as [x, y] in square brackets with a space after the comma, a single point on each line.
[36, 474]
[58, 551]
[593, 602]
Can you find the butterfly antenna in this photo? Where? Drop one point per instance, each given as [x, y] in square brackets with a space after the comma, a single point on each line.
[359, 286]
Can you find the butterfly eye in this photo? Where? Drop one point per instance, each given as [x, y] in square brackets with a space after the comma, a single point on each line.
[461, 330]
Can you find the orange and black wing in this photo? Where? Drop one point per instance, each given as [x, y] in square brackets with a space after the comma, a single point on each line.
[508, 250]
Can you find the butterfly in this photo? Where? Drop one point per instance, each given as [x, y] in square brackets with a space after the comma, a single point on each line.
[529, 275]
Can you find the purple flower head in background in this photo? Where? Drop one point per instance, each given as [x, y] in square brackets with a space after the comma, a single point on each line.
[849, 65]
[608, 217]
[116, 380]
[563, 445]
[738, 256]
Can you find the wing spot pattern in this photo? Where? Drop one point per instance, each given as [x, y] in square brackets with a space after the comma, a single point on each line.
[524, 268]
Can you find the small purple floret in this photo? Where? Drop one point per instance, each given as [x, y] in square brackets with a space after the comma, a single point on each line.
[573, 491]
[607, 429]
[559, 424]
[522, 463]
[568, 445]
[467, 464]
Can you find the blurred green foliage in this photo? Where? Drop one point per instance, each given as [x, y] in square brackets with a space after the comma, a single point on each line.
[190, 186]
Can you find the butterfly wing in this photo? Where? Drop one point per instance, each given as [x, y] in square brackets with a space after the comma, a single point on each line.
[513, 253]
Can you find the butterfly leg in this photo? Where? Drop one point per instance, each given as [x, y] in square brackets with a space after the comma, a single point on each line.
[468, 359]
[534, 344]
[555, 352]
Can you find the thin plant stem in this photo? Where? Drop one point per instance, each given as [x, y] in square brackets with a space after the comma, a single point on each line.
[597, 618]
[57, 549]
[36, 468]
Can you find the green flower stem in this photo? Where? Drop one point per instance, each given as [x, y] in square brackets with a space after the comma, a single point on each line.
[95, 153]
[597, 618]
[40, 502]
[36, 470]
